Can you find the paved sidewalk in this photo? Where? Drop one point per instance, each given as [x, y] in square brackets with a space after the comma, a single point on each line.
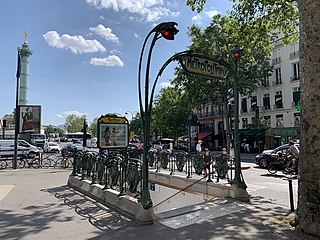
[37, 204]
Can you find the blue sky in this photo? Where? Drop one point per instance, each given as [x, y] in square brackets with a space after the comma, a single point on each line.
[86, 52]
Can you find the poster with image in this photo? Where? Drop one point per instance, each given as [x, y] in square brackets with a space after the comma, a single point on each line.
[113, 131]
[30, 118]
[113, 135]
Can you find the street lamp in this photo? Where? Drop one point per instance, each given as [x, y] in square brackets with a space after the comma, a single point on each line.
[238, 179]
[132, 113]
[166, 30]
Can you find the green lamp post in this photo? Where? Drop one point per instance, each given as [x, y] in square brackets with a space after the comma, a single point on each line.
[238, 179]
[166, 30]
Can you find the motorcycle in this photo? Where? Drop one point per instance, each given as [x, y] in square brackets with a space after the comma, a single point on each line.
[282, 162]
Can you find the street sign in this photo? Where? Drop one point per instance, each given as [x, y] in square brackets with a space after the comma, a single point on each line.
[203, 66]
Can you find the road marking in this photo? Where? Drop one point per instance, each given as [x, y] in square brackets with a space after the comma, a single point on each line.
[4, 190]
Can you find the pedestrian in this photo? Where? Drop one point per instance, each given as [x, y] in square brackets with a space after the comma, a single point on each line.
[199, 147]
[222, 165]
[247, 148]
[293, 154]
[207, 161]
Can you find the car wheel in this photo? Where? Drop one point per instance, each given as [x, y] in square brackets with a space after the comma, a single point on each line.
[263, 163]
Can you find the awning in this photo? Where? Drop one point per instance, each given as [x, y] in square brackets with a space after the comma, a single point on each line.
[202, 135]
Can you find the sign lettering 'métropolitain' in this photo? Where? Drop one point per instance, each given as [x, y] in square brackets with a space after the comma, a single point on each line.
[199, 65]
[113, 120]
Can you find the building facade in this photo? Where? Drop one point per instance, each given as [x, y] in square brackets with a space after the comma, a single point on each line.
[276, 102]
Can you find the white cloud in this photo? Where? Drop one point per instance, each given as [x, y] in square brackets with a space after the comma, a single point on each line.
[196, 19]
[110, 61]
[136, 35]
[59, 116]
[76, 44]
[104, 32]
[67, 113]
[212, 12]
[101, 17]
[151, 10]
[165, 84]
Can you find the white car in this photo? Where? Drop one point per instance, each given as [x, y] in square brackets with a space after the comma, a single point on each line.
[52, 147]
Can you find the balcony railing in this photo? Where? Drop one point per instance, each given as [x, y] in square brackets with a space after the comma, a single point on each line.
[294, 78]
[276, 60]
[295, 54]
[276, 82]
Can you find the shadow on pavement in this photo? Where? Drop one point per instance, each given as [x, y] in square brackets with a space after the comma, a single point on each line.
[102, 217]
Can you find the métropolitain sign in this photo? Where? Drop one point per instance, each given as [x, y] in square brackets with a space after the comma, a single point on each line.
[204, 66]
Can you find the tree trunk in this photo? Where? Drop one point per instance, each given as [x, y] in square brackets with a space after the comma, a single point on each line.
[309, 182]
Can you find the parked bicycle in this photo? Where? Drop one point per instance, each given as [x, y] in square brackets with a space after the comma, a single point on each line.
[29, 162]
[3, 164]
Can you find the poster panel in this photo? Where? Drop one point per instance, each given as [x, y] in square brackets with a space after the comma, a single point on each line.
[30, 119]
[113, 135]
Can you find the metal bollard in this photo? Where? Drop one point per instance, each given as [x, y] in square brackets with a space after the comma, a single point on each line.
[291, 195]
[74, 169]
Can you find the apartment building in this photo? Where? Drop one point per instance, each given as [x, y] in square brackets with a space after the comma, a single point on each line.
[276, 102]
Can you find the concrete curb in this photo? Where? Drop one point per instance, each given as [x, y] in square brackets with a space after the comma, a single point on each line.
[125, 204]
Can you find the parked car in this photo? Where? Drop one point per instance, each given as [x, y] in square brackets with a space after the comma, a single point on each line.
[52, 147]
[23, 148]
[263, 159]
[68, 148]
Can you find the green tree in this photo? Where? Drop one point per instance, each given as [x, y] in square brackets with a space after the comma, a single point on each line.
[53, 130]
[74, 123]
[217, 41]
[135, 124]
[170, 113]
[93, 127]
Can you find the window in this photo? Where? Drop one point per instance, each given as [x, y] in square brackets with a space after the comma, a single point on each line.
[254, 103]
[276, 56]
[244, 107]
[278, 76]
[294, 51]
[244, 122]
[295, 71]
[279, 120]
[267, 120]
[278, 100]
[266, 101]
[296, 119]
[296, 96]
[265, 82]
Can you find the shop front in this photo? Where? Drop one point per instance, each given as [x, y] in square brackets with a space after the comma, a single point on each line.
[279, 136]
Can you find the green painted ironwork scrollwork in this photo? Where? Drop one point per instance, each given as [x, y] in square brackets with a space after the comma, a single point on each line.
[133, 175]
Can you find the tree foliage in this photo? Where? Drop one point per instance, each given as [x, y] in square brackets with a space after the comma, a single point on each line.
[92, 129]
[266, 18]
[170, 113]
[52, 130]
[74, 123]
[135, 124]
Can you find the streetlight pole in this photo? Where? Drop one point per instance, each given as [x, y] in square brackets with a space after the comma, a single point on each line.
[238, 179]
[132, 113]
[166, 30]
